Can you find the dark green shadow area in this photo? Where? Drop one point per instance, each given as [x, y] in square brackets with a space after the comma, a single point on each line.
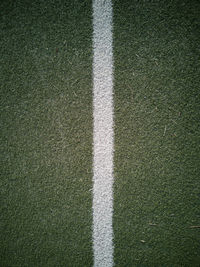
[46, 133]
[157, 130]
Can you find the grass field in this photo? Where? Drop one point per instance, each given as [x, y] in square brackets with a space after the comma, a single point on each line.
[157, 133]
[47, 130]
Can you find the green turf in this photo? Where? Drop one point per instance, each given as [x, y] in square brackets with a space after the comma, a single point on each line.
[46, 133]
[156, 191]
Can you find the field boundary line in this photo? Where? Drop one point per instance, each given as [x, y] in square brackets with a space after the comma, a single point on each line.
[103, 134]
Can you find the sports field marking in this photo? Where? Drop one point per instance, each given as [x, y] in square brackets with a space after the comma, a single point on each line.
[103, 133]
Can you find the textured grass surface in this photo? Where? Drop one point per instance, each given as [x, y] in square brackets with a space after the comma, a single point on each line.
[46, 130]
[156, 197]
[46, 133]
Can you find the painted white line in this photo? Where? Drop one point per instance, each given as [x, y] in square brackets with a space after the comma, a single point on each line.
[103, 134]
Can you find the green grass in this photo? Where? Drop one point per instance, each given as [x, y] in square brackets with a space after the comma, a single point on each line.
[46, 116]
[46, 133]
[156, 133]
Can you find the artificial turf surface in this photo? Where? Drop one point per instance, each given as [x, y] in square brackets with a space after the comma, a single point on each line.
[46, 133]
[46, 119]
[156, 191]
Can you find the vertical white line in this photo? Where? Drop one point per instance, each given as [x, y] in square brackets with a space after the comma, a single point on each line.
[103, 133]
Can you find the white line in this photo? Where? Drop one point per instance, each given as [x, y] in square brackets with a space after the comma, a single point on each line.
[103, 134]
